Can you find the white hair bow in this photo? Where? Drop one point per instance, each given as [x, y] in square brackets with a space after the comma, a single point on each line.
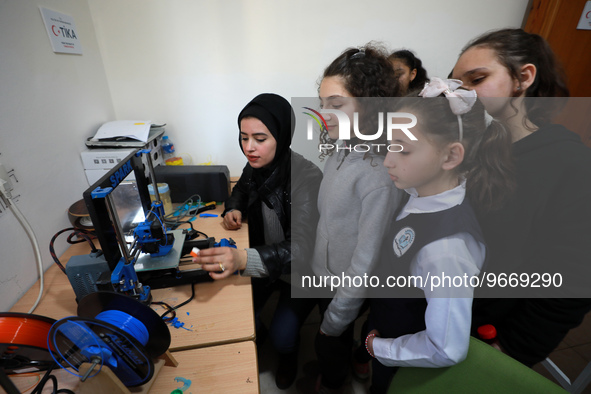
[460, 100]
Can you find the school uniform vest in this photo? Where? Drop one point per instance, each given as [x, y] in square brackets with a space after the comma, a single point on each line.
[403, 310]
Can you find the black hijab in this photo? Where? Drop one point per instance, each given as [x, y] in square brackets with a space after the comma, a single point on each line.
[277, 115]
[270, 183]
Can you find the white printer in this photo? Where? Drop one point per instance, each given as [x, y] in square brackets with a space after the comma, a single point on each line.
[104, 154]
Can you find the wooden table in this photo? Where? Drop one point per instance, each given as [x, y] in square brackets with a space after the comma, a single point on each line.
[220, 314]
[215, 369]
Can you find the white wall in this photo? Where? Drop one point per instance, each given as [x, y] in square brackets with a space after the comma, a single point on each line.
[49, 103]
[195, 64]
[192, 64]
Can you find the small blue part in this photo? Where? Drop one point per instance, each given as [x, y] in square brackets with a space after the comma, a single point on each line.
[143, 233]
[124, 279]
[176, 323]
[208, 215]
[226, 242]
[101, 192]
[186, 383]
[158, 207]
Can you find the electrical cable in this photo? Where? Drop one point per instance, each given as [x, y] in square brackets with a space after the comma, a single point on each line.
[188, 209]
[174, 308]
[151, 212]
[168, 308]
[191, 204]
[162, 226]
[48, 376]
[75, 232]
[84, 236]
[23, 221]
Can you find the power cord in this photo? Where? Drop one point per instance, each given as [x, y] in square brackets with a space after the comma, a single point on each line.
[171, 310]
[48, 376]
[83, 235]
[188, 209]
[7, 198]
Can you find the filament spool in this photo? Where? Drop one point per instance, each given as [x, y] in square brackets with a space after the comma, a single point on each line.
[23, 345]
[116, 330]
[100, 301]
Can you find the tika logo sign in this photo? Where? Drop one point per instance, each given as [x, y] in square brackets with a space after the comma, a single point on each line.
[64, 32]
[61, 31]
[344, 124]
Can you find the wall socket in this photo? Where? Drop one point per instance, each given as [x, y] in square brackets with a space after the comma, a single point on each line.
[4, 176]
[8, 186]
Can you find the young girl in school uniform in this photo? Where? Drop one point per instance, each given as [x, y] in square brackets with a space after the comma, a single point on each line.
[459, 159]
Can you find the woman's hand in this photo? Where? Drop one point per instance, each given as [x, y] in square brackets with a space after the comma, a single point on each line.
[369, 341]
[221, 262]
[233, 220]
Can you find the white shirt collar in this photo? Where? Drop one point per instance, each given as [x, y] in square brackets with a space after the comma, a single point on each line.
[439, 202]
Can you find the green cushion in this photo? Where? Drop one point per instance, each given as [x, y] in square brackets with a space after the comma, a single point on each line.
[485, 370]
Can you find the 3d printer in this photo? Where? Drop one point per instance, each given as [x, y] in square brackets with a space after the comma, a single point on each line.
[138, 251]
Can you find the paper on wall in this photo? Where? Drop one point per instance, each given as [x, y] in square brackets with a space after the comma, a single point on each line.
[585, 21]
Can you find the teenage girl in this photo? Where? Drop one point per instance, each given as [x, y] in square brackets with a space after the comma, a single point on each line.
[553, 175]
[458, 160]
[355, 199]
[409, 70]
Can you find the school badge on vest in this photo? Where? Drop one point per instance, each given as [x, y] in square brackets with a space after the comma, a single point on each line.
[403, 240]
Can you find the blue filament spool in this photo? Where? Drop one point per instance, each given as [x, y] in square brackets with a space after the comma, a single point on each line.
[80, 340]
[127, 323]
[114, 330]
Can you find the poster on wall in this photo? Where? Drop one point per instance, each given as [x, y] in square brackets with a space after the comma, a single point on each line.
[62, 32]
[585, 21]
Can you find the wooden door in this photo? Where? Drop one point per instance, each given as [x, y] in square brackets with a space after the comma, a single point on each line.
[556, 21]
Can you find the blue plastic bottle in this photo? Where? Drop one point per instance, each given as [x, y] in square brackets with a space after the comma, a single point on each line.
[167, 148]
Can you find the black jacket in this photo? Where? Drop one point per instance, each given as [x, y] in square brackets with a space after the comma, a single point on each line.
[545, 227]
[292, 192]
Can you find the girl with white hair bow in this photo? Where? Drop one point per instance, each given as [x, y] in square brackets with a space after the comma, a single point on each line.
[457, 162]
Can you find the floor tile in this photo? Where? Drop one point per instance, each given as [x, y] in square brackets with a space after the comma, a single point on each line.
[573, 354]
[584, 351]
[570, 363]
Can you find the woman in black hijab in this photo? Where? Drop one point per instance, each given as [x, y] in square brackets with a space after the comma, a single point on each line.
[275, 182]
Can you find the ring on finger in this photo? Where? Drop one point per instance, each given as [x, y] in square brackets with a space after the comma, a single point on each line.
[222, 268]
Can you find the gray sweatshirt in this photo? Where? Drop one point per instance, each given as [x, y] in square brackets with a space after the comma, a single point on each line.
[357, 200]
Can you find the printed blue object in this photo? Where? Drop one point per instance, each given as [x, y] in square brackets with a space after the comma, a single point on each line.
[208, 215]
[226, 242]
